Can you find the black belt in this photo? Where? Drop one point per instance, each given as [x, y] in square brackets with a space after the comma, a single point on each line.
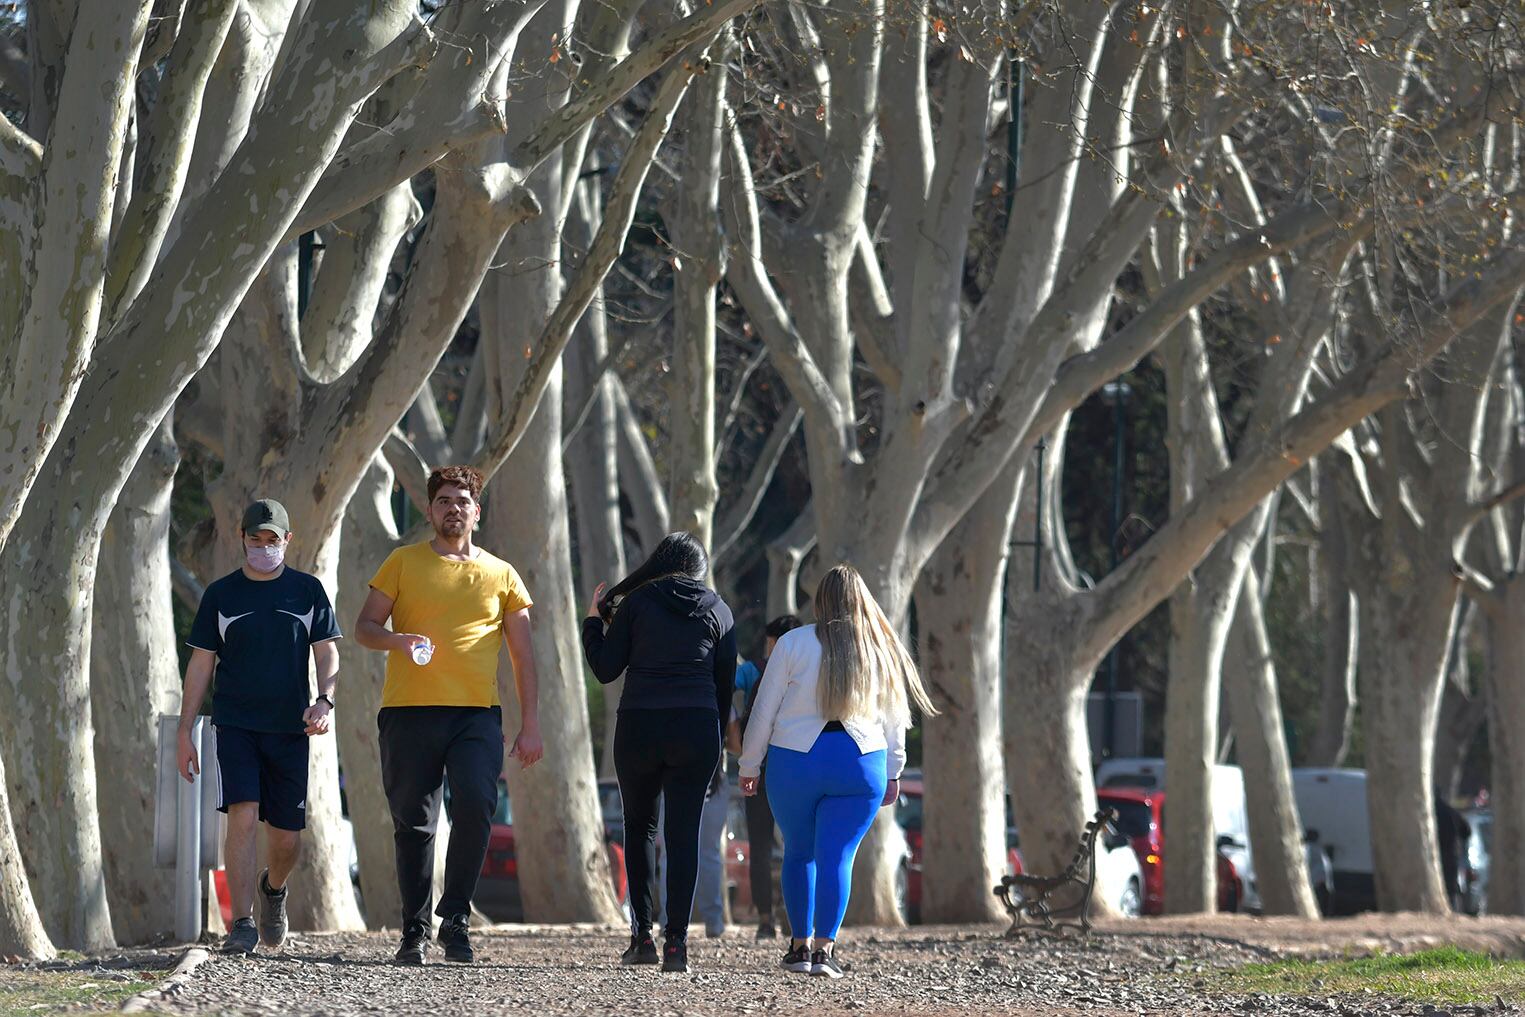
[834, 725]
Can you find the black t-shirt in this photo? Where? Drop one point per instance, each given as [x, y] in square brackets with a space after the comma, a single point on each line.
[262, 633]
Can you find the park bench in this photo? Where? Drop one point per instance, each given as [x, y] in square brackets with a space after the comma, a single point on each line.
[1067, 896]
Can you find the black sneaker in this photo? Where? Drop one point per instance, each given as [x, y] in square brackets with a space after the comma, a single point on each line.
[415, 940]
[675, 954]
[642, 949]
[272, 913]
[765, 929]
[455, 939]
[242, 938]
[825, 965]
[797, 960]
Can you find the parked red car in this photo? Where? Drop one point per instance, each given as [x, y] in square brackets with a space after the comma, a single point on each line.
[1141, 816]
[498, 894]
[908, 815]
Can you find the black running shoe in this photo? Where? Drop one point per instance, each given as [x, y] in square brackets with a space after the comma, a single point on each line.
[642, 949]
[242, 938]
[765, 929]
[272, 913]
[456, 940]
[825, 965]
[675, 955]
[797, 960]
[415, 940]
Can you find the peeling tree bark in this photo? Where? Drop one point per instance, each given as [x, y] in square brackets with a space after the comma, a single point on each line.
[369, 535]
[592, 459]
[1337, 701]
[46, 612]
[959, 609]
[21, 931]
[558, 832]
[693, 488]
[134, 678]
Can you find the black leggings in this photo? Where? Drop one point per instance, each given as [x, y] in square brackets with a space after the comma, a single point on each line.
[671, 753]
[760, 842]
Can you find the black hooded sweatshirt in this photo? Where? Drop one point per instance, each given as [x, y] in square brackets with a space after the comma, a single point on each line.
[674, 640]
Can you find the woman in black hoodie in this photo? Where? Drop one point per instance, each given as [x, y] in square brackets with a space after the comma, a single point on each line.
[674, 640]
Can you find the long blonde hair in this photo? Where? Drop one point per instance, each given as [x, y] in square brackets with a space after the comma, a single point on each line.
[865, 669]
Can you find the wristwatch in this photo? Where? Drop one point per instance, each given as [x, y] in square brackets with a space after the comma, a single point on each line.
[324, 697]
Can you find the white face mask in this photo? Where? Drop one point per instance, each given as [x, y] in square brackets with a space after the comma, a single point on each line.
[265, 559]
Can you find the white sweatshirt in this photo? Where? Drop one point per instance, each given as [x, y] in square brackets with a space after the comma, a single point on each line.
[787, 713]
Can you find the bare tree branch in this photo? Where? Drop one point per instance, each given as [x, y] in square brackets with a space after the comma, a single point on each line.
[602, 253]
[408, 467]
[1081, 375]
[595, 381]
[188, 589]
[63, 273]
[730, 528]
[649, 58]
[170, 133]
[1479, 509]
[748, 276]
[1145, 578]
[20, 155]
[874, 315]
[435, 121]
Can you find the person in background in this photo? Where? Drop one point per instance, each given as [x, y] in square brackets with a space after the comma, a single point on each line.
[831, 718]
[709, 890]
[452, 605]
[257, 626]
[1453, 833]
[759, 814]
[674, 640]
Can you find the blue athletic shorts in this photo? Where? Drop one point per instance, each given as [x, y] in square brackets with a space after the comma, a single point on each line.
[264, 767]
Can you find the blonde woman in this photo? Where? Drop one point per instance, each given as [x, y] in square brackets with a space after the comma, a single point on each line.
[831, 716]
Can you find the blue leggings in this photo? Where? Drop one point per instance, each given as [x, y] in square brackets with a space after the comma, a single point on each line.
[824, 800]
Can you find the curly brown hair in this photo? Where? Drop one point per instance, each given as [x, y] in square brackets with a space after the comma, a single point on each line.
[467, 478]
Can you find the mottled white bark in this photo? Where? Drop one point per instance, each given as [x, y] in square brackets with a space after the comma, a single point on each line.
[959, 611]
[1254, 706]
[134, 678]
[592, 456]
[57, 203]
[21, 930]
[558, 829]
[203, 276]
[1337, 681]
[369, 535]
[693, 488]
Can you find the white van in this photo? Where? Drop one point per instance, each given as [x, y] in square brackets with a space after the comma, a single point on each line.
[1231, 820]
[1332, 804]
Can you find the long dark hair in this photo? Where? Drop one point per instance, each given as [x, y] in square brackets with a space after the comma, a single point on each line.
[679, 554]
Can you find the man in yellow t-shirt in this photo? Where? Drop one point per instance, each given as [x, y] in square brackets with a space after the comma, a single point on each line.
[452, 605]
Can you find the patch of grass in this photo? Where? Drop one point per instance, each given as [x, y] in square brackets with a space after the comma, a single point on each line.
[1445, 975]
[27, 992]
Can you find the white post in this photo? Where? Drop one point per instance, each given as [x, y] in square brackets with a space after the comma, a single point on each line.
[188, 851]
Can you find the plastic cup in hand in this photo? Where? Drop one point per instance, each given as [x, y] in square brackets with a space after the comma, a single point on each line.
[422, 653]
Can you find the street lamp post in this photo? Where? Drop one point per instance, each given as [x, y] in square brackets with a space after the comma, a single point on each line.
[1114, 394]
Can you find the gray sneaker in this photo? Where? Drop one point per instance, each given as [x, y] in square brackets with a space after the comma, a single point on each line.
[242, 938]
[272, 913]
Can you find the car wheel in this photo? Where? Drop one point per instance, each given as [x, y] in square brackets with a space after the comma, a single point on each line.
[1131, 904]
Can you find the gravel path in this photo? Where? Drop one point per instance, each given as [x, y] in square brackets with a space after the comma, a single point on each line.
[1151, 968]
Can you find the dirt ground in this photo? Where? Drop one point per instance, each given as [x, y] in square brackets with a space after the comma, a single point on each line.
[1145, 967]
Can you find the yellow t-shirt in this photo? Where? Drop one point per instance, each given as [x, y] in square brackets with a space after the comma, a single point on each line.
[460, 606]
